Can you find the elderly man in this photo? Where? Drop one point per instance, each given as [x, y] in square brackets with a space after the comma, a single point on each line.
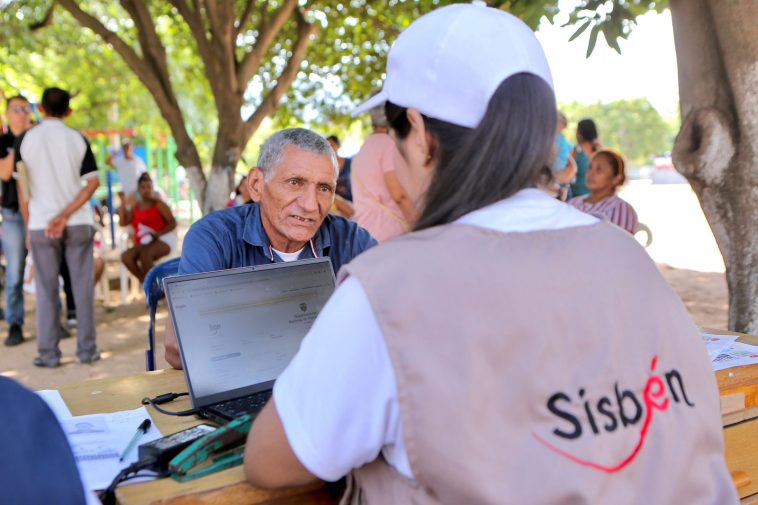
[292, 189]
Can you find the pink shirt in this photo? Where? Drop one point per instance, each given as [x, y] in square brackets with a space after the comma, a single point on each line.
[375, 210]
[612, 209]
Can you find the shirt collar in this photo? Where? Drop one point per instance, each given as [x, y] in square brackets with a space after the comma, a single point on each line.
[255, 235]
[528, 210]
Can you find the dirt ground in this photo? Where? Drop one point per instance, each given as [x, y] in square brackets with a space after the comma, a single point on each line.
[122, 334]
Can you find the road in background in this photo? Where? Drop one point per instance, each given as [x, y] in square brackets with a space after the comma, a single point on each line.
[681, 235]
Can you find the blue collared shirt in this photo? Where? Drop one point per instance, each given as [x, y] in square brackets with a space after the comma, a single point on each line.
[233, 238]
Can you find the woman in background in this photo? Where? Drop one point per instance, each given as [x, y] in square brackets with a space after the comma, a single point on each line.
[153, 225]
[605, 176]
[587, 145]
[382, 205]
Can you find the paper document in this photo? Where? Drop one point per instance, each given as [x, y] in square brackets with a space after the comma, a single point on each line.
[55, 401]
[738, 354]
[98, 440]
[716, 344]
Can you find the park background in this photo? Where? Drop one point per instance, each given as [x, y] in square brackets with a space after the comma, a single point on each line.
[632, 94]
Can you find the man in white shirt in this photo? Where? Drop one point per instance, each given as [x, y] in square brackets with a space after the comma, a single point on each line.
[129, 167]
[58, 175]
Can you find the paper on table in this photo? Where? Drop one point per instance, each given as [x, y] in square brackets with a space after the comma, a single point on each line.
[738, 354]
[97, 442]
[717, 343]
[55, 401]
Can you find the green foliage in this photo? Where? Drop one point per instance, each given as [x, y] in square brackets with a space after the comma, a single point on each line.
[344, 64]
[67, 56]
[613, 18]
[633, 127]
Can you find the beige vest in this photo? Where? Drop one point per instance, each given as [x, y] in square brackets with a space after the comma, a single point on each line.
[551, 367]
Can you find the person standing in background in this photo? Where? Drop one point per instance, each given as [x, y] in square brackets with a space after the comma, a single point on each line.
[564, 166]
[56, 161]
[343, 195]
[382, 206]
[344, 185]
[587, 145]
[18, 112]
[129, 167]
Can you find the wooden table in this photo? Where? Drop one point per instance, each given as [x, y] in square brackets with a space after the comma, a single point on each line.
[739, 406]
[739, 398]
[225, 487]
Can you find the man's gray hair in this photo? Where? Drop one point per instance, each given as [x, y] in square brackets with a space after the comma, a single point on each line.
[378, 117]
[272, 149]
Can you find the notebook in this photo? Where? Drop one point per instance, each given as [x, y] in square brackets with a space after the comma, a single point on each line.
[238, 329]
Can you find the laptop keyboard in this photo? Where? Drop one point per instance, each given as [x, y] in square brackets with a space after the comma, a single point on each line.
[251, 404]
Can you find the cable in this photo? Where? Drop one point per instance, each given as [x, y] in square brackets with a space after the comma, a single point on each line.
[165, 398]
[108, 495]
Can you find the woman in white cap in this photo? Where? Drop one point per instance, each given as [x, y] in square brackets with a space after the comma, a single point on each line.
[471, 361]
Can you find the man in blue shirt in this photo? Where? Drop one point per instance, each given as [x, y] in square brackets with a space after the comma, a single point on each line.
[293, 189]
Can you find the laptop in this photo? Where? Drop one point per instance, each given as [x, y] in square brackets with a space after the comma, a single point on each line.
[238, 329]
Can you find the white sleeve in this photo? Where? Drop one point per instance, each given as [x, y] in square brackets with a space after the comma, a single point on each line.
[337, 399]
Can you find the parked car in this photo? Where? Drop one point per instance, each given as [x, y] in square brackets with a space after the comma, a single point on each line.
[664, 171]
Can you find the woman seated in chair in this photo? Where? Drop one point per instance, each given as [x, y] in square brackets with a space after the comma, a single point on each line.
[154, 226]
[605, 176]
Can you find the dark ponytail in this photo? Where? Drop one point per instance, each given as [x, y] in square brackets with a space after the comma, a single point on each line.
[587, 129]
[476, 167]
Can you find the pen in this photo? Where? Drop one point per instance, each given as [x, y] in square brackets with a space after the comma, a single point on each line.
[141, 430]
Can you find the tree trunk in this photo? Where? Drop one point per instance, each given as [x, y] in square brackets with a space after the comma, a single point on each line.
[717, 147]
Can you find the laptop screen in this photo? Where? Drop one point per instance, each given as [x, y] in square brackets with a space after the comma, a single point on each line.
[238, 329]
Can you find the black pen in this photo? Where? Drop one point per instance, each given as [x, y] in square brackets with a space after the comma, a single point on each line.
[141, 430]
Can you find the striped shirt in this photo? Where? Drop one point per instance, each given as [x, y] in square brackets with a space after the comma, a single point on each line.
[612, 209]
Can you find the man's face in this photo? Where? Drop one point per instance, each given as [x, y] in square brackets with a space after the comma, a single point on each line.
[19, 114]
[297, 198]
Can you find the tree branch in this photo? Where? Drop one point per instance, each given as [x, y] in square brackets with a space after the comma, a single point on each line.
[244, 18]
[195, 22]
[287, 77]
[122, 48]
[212, 61]
[267, 33]
[154, 75]
[153, 51]
[45, 21]
[211, 10]
[221, 15]
[218, 59]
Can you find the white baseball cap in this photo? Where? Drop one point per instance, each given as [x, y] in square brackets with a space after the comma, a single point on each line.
[447, 64]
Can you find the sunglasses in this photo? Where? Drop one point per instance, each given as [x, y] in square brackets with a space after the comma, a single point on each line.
[19, 109]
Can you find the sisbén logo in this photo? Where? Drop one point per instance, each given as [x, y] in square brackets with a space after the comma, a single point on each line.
[618, 411]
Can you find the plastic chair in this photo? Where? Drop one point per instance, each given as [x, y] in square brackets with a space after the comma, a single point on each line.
[153, 294]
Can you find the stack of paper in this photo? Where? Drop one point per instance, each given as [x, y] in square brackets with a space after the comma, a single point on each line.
[98, 440]
[726, 353]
